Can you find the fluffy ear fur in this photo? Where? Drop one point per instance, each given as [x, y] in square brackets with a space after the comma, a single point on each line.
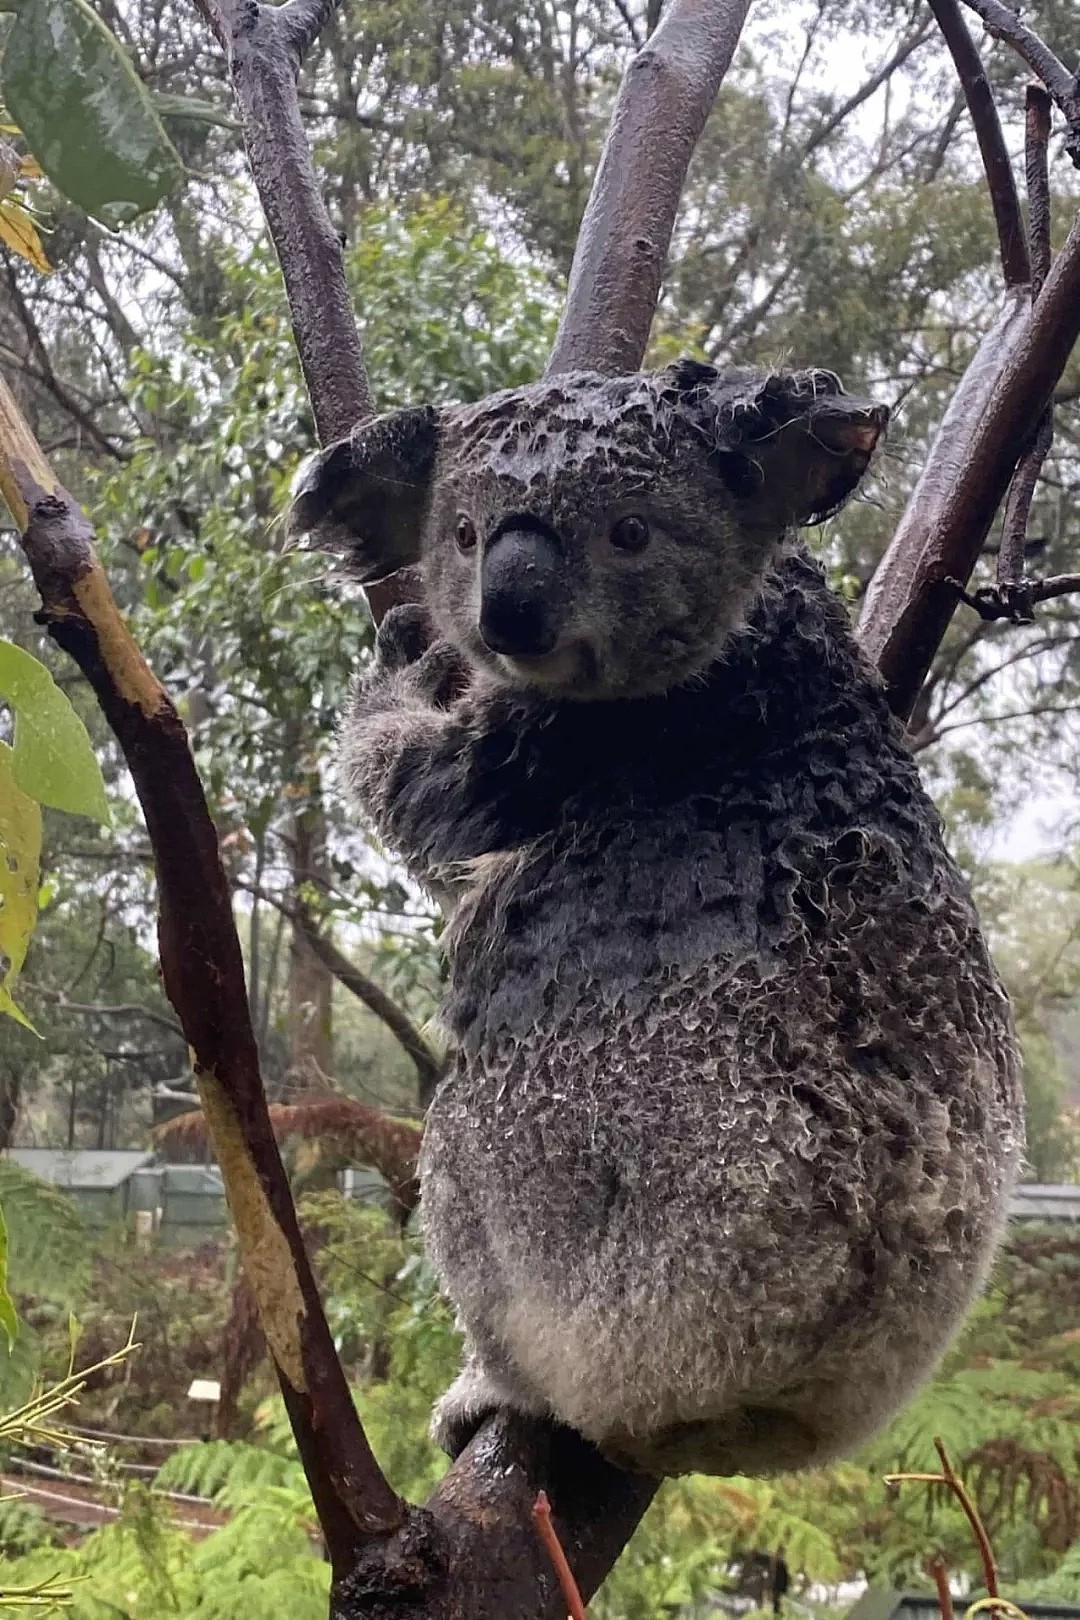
[367, 496]
[793, 445]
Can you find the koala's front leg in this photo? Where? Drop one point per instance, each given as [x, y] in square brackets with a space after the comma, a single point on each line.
[412, 747]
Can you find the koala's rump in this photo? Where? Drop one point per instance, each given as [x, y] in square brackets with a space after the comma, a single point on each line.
[765, 1182]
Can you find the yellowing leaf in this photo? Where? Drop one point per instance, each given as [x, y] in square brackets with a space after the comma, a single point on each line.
[20, 850]
[18, 230]
[30, 168]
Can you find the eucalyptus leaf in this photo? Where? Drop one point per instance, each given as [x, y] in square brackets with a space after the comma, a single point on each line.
[20, 852]
[84, 112]
[53, 761]
[9, 1322]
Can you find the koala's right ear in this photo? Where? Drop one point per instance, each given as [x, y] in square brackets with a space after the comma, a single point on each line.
[367, 496]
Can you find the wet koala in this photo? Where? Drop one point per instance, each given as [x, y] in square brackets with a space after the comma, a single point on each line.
[735, 1112]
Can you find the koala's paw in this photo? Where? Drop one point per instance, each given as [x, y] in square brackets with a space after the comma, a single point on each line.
[404, 637]
[407, 642]
[472, 1398]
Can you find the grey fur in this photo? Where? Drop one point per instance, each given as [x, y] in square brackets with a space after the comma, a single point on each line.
[735, 1110]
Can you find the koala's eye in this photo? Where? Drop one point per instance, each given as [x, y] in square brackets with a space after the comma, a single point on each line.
[465, 532]
[630, 534]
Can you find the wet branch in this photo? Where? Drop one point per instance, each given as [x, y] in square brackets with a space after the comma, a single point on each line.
[1002, 22]
[986, 430]
[203, 976]
[1010, 564]
[1012, 239]
[665, 98]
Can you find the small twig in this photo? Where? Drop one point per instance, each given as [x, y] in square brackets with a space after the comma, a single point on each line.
[1015, 262]
[951, 1479]
[971, 1513]
[941, 1581]
[545, 1529]
[1014, 601]
[1002, 22]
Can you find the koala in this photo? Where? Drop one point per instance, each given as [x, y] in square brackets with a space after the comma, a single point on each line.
[734, 1113]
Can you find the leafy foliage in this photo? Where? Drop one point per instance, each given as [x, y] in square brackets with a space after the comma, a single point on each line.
[84, 111]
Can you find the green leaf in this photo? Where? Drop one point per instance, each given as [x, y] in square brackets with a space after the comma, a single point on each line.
[8, 1320]
[84, 112]
[20, 848]
[53, 762]
[192, 110]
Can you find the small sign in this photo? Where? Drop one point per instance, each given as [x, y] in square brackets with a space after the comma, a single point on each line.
[204, 1389]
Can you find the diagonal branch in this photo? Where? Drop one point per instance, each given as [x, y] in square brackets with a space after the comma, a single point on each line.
[203, 976]
[985, 431]
[1015, 260]
[265, 45]
[1002, 22]
[665, 98]
[427, 1061]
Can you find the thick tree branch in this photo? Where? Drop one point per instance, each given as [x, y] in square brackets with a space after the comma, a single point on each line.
[666, 95]
[265, 45]
[1012, 239]
[986, 429]
[203, 976]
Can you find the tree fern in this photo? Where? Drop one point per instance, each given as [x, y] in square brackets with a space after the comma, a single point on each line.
[48, 1245]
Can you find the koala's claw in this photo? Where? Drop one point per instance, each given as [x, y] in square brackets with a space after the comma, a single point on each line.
[404, 636]
[473, 1397]
[442, 675]
[458, 1414]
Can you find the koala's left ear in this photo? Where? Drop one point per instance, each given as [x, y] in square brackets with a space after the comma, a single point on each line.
[367, 496]
[793, 445]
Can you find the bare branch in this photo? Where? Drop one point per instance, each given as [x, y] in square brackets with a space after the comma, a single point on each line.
[665, 98]
[988, 424]
[100, 1009]
[1012, 240]
[428, 1063]
[1014, 600]
[203, 975]
[1002, 22]
[1037, 171]
[1010, 565]
[265, 46]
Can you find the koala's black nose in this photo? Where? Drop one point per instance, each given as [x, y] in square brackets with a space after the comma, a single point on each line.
[523, 593]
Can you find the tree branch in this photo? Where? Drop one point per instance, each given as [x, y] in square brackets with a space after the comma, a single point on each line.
[988, 424]
[203, 976]
[1012, 240]
[665, 98]
[1010, 564]
[1002, 22]
[265, 45]
[428, 1063]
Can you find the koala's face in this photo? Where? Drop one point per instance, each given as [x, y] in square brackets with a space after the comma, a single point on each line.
[594, 537]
